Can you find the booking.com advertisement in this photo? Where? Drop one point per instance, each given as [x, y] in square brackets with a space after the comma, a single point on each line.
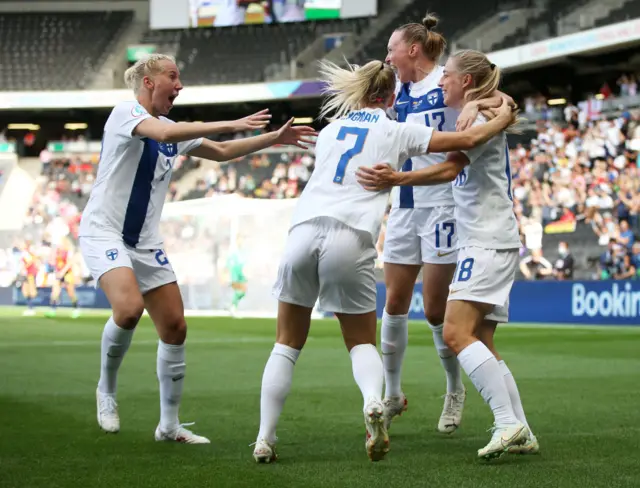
[545, 302]
[558, 302]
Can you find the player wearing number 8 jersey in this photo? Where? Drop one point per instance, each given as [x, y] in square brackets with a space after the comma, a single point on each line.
[330, 253]
[488, 243]
[119, 234]
[421, 231]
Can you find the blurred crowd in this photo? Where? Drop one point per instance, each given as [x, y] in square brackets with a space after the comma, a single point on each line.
[584, 173]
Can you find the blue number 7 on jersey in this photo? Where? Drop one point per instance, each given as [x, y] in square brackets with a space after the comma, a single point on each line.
[361, 135]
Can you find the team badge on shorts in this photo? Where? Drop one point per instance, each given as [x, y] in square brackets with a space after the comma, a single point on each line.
[112, 254]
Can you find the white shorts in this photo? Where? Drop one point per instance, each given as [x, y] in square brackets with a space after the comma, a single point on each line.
[421, 235]
[326, 259]
[151, 266]
[485, 276]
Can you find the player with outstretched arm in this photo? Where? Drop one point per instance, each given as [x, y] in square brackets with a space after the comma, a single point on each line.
[330, 252]
[119, 232]
[488, 244]
[421, 233]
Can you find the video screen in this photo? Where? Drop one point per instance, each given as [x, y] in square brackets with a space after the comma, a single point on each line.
[224, 13]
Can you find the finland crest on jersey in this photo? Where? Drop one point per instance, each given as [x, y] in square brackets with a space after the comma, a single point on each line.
[423, 103]
[132, 181]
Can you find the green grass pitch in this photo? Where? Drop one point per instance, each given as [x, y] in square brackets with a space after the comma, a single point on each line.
[580, 388]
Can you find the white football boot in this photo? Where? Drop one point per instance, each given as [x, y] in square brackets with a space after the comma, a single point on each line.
[265, 452]
[393, 407]
[451, 412]
[108, 418]
[377, 442]
[181, 435]
[503, 439]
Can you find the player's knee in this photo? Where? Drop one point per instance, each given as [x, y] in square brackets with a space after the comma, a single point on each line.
[434, 315]
[396, 303]
[453, 337]
[128, 315]
[174, 331]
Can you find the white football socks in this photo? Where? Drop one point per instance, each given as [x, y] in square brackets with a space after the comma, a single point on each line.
[276, 383]
[115, 343]
[367, 371]
[394, 338]
[449, 361]
[484, 371]
[514, 394]
[171, 368]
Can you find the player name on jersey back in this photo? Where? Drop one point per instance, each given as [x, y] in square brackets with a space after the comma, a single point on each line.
[362, 138]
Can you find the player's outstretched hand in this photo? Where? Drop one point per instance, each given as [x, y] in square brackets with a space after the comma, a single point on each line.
[259, 120]
[295, 136]
[380, 177]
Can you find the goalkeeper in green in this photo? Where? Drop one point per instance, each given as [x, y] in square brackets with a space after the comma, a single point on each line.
[235, 266]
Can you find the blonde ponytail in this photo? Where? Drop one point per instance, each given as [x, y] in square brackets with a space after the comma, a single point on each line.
[485, 75]
[355, 87]
[146, 66]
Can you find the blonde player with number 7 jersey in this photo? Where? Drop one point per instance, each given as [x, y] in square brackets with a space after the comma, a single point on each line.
[330, 253]
[488, 244]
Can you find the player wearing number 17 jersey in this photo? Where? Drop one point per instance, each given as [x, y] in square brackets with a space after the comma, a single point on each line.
[330, 253]
[488, 244]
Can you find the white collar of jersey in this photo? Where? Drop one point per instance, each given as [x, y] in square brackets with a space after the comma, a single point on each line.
[427, 79]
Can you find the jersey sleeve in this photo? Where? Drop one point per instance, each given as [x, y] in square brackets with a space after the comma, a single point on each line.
[185, 146]
[476, 152]
[188, 146]
[413, 140]
[126, 116]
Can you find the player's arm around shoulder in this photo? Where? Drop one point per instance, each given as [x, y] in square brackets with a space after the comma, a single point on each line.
[479, 133]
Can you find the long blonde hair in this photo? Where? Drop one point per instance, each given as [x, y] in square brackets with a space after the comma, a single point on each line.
[149, 65]
[485, 79]
[432, 43]
[355, 87]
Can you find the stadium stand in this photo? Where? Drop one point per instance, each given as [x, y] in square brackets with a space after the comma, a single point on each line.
[55, 51]
[630, 10]
[559, 18]
[210, 56]
[453, 21]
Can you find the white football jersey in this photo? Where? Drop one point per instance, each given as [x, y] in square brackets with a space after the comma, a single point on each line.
[422, 103]
[482, 193]
[362, 138]
[132, 181]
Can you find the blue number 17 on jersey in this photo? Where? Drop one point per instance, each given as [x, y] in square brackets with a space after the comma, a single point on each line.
[361, 135]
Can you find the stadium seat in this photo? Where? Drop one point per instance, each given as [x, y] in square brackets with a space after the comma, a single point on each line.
[210, 55]
[56, 51]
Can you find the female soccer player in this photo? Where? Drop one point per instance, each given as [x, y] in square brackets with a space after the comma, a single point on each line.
[330, 253]
[488, 243]
[119, 231]
[421, 232]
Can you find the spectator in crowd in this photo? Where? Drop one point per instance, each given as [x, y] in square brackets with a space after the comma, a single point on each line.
[563, 267]
[625, 268]
[535, 266]
[625, 236]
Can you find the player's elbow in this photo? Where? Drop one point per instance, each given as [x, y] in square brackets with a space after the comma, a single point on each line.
[472, 140]
[453, 171]
[167, 135]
